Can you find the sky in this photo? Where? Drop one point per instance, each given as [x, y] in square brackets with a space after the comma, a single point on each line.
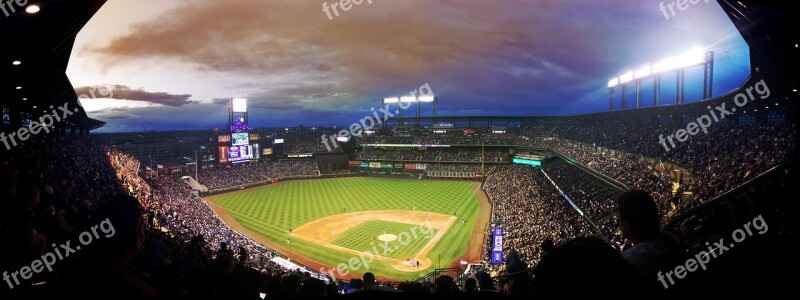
[174, 65]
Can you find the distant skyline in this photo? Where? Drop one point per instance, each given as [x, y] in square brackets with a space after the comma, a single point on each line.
[174, 66]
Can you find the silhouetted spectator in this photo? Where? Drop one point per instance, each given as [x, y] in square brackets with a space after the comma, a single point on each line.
[652, 249]
[371, 285]
[548, 246]
[470, 285]
[518, 275]
[585, 266]
[223, 248]
[312, 287]
[413, 287]
[485, 283]
[291, 286]
[106, 268]
[446, 285]
[353, 286]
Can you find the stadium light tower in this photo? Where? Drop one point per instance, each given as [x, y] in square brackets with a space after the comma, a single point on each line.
[238, 106]
[694, 57]
[405, 102]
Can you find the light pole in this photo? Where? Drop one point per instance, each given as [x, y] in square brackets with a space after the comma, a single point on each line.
[480, 139]
[196, 171]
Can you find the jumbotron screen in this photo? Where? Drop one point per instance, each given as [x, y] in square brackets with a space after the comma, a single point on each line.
[240, 138]
[237, 153]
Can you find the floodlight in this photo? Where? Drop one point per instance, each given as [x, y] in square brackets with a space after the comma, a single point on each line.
[425, 99]
[642, 71]
[627, 77]
[665, 65]
[613, 82]
[31, 9]
[391, 100]
[239, 105]
[406, 99]
[690, 58]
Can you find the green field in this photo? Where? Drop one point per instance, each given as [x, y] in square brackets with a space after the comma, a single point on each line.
[365, 236]
[274, 209]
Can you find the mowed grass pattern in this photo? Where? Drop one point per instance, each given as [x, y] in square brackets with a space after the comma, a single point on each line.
[364, 238]
[274, 209]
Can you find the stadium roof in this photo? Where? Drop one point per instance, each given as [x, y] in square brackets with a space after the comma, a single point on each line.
[772, 31]
[34, 57]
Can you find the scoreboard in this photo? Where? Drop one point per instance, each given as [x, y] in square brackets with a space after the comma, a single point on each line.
[238, 144]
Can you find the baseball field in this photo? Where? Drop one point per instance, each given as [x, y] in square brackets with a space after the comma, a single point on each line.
[397, 229]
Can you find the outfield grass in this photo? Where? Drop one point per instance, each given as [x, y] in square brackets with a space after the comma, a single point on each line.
[364, 238]
[274, 209]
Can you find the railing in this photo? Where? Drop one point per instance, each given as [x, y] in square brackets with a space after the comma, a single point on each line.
[456, 274]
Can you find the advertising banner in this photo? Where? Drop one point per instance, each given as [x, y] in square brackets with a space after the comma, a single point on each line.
[497, 246]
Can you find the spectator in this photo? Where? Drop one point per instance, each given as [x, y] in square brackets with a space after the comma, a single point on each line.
[355, 285]
[485, 283]
[106, 269]
[371, 285]
[470, 286]
[652, 249]
[446, 285]
[586, 267]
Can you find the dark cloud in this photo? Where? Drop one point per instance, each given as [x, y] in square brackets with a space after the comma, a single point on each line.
[126, 93]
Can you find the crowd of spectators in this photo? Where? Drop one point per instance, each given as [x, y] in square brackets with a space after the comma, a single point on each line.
[456, 138]
[531, 211]
[464, 154]
[594, 198]
[727, 156]
[50, 185]
[308, 141]
[633, 171]
[216, 177]
[191, 251]
[445, 167]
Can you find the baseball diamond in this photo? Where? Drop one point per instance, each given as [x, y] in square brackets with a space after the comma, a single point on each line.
[325, 222]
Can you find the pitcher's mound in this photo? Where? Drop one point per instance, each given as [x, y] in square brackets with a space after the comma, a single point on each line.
[387, 237]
